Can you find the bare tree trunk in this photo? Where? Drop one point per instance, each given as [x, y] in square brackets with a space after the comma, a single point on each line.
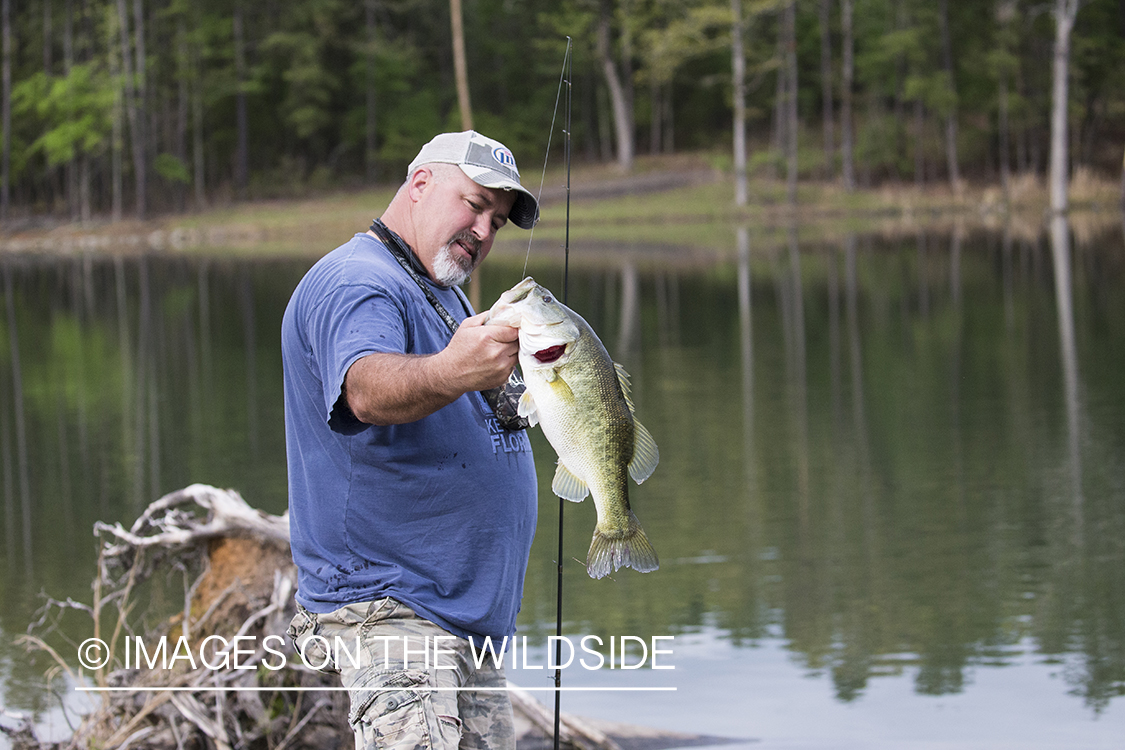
[846, 145]
[791, 99]
[738, 64]
[6, 107]
[48, 57]
[951, 116]
[131, 103]
[622, 115]
[242, 147]
[85, 209]
[116, 146]
[778, 140]
[70, 171]
[460, 67]
[669, 126]
[140, 148]
[1065, 12]
[183, 104]
[369, 151]
[826, 87]
[1123, 188]
[627, 86]
[919, 137]
[197, 129]
[1005, 159]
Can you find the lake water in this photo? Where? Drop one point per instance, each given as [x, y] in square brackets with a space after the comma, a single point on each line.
[890, 507]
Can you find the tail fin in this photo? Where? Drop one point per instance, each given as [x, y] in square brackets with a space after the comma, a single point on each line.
[631, 550]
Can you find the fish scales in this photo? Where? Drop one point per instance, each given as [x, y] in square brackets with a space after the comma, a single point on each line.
[580, 398]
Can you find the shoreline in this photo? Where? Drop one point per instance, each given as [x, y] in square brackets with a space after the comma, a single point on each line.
[663, 198]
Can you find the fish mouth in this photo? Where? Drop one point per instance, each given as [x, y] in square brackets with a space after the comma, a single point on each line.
[550, 354]
[519, 292]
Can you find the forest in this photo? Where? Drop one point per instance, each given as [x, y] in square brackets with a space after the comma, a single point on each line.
[132, 108]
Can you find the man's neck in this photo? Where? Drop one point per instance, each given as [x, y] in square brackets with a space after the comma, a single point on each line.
[403, 247]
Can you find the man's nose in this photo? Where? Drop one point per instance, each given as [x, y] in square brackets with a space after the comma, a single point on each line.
[482, 227]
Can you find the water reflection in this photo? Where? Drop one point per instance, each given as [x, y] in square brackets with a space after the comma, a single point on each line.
[896, 456]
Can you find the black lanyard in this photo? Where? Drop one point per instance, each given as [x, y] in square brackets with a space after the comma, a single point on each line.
[504, 400]
[406, 258]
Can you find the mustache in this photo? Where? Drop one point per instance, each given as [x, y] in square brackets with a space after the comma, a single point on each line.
[467, 239]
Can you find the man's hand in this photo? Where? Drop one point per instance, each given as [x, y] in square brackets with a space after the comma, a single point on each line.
[385, 389]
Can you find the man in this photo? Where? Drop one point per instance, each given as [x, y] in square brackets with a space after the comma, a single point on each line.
[411, 510]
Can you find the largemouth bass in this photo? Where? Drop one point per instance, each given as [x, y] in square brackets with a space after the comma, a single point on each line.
[580, 397]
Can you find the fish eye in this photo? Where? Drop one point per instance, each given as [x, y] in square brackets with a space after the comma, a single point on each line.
[547, 298]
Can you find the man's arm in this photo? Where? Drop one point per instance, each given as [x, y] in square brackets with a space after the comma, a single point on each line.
[386, 389]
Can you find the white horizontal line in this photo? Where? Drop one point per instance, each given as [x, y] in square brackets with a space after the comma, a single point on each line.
[329, 689]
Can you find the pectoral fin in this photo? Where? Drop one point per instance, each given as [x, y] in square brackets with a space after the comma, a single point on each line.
[526, 408]
[568, 486]
[645, 454]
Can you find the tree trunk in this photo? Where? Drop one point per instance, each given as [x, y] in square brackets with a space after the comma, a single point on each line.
[791, 99]
[919, 136]
[369, 151]
[183, 105]
[778, 140]
[70, 171]
[738, 64]
[197, 130]
[6, 107]
[48, 57]
[1123, 188]
[627, 71]
[1005, 159]
[846, 145]
[118, 136]
[242, 147]
[131, 103]
[826, 88]
[622, 116]
[460, 67]
[951, 116]
[1065, 11]
[140, 146]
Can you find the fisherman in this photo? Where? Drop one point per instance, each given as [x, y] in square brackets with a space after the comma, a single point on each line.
[410, 522]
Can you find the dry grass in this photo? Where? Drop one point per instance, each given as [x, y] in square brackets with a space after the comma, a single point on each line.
[685, 198]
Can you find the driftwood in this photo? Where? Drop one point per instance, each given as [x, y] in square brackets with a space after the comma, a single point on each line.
[238, 580]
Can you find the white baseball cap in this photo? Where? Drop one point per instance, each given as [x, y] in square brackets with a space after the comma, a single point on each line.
[488, 163]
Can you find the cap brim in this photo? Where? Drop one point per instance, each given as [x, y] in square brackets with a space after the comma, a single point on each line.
[525, 209]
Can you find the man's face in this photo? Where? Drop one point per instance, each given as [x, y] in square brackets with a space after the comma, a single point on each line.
[456, 223]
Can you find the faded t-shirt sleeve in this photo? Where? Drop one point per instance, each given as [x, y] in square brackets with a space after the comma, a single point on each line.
[350, 323]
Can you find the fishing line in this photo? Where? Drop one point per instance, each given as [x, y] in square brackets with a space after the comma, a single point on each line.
[564, 77]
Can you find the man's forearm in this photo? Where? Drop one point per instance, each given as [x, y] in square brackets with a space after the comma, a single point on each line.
[386, 389]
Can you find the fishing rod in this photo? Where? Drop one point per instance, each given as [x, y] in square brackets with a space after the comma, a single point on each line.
[564, 81]
[567, 66]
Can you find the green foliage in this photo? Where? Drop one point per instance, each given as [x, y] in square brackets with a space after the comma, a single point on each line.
[172, 169]
[74, 112]
[311, 66]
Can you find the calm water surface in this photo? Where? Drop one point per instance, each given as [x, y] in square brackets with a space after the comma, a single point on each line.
[890, 507]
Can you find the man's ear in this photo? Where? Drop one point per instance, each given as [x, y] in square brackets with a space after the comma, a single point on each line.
[419, 183]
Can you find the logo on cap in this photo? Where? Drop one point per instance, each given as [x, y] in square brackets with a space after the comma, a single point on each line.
[504, 156]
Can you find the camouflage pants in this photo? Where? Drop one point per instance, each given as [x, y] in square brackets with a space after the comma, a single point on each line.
[387, 656]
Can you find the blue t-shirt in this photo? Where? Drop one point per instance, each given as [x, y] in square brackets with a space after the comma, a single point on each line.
[438, 513]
